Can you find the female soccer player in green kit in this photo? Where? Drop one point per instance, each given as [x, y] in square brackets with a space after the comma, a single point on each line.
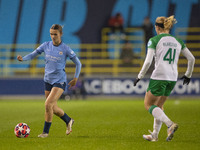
[166, 49]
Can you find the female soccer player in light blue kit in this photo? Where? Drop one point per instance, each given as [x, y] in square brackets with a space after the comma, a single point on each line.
[166, 49]
[56, 53]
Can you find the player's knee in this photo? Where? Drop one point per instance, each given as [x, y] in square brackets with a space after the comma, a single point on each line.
[48, 106]
[146, 105]
[160, 105]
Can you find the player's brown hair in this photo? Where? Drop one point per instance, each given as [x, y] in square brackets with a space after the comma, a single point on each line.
[57, 27]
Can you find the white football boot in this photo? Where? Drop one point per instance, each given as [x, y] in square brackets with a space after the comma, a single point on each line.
[69, 127]
[151, 137]
[43, 135]
[171, 130]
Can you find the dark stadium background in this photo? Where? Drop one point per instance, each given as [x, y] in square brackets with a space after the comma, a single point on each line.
[28, 21]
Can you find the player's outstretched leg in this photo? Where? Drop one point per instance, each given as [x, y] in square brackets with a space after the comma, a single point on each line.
[69, 126]
[171, 130]
[160, 115]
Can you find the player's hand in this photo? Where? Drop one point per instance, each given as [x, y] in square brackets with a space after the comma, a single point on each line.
[72, 83]
[136, 81]
[19, 58]
[186, 80]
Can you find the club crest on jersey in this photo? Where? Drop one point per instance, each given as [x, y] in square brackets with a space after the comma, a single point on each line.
[149, 43]
[72, 52]
[60, 53]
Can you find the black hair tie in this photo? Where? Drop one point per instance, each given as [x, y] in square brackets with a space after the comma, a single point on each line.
[160, 25]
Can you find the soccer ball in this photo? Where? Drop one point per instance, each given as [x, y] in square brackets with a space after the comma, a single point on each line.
[22, 130]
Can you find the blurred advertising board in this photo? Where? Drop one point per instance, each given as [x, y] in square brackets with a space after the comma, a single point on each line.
[124, 86]
[97, 86]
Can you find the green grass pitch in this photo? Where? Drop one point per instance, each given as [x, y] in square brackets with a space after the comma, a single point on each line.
[99, 125]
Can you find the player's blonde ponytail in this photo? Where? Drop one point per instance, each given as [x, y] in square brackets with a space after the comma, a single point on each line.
[166, 23]
[169, 22]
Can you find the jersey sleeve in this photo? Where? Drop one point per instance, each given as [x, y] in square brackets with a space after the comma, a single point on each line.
[78, 66]
[41, 48]
[30, 56]
[147, 63]
[70, 52]
[182, 44]
[191, 61]
[151, 43]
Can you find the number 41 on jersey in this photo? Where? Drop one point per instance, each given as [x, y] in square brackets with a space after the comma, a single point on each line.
[170, 55]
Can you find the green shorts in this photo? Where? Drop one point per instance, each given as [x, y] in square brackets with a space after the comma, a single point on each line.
[161, 87]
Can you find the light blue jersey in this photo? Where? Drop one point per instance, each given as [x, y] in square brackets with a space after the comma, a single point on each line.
[55, 60]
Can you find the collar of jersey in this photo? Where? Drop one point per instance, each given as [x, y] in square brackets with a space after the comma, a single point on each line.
[57, 45]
